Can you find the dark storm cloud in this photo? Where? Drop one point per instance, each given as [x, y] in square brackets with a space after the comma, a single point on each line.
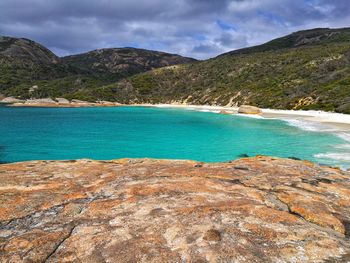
[199, 28]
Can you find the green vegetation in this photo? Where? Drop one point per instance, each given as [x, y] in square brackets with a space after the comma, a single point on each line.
[305, 70]
[305, 76]
[29, 70]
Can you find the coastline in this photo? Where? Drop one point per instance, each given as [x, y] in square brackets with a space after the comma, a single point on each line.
[336, 124]
[338, 121]
[333, 120]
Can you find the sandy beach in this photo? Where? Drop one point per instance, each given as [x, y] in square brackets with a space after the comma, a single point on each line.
[337, 121]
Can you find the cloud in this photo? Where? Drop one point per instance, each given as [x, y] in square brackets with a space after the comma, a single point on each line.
[197, 28]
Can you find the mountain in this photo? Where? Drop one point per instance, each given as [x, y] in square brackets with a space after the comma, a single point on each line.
[26, 50]
[305, 70]
[311, 37]
[123, 61]
[28, 69]
[308, 69]
[23, 61]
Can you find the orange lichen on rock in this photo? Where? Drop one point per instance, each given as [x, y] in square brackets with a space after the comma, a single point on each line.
[260, 209]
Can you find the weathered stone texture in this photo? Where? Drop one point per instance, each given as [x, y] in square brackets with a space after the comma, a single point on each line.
[259, 209]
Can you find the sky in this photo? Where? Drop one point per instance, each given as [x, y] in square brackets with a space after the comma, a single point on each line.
[194, 28]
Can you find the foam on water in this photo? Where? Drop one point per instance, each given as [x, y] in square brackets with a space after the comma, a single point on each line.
[309, 126]
[345, 136]
[341, 151]
[335, 156]
[252, 116]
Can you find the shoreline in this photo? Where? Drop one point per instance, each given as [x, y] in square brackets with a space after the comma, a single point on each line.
[338, 121]
[336, 124]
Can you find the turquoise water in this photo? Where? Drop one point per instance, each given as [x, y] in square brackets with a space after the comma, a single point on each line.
[110, 133]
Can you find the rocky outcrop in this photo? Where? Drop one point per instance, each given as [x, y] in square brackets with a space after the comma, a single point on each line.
[62, 103]
[39, 101]
[62, 100]
[259, 209]
[225, 112]
[11, 100]
[246, 109]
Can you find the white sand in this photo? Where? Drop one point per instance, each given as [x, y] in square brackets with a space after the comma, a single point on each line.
[328, 118]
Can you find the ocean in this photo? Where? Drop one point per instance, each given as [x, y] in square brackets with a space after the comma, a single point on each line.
[138, 132]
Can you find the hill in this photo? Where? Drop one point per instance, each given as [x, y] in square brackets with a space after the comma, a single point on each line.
[308, 69]
[311, 37]
[25, 61]
[28, 69]
[305, 70]
[123, 61]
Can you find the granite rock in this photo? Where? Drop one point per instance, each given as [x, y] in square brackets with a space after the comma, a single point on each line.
[246, 109]
[259, 209]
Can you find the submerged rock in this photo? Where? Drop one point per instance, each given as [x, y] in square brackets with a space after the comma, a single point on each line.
[246, 109]
[141, 210]
[226, 112]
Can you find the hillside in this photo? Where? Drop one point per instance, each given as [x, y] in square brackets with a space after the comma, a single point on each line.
[123, 61]
[311, 37]
[305, 70]
[28, 69]
[309, 69]
[24, 61]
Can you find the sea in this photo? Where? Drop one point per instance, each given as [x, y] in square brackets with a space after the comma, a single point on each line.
[105, 133]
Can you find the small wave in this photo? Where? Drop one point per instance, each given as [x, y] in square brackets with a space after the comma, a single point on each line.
[202, 110]
[334, 156]
[344, 136]
[309, 126]
[343, 146]
[253, 116]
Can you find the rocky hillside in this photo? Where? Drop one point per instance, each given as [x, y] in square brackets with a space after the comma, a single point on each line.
[123, 61]
[312, 37]
[26, 50]
[305, 70]
[30, 70]
[24, 61]
[259, 209]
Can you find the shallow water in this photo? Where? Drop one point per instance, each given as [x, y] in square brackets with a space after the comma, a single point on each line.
[110, 133]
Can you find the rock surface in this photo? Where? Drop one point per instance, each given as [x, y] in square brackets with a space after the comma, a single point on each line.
[246, 109]
[62, 100]
[225, 112]
[62, 103]
[10, 100]
[258, 209]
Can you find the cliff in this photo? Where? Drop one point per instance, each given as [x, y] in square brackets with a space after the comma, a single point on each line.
[258, 209]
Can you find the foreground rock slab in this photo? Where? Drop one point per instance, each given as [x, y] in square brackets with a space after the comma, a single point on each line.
[258, 209]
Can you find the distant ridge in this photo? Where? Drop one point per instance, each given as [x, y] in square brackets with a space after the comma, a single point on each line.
[310, 37]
